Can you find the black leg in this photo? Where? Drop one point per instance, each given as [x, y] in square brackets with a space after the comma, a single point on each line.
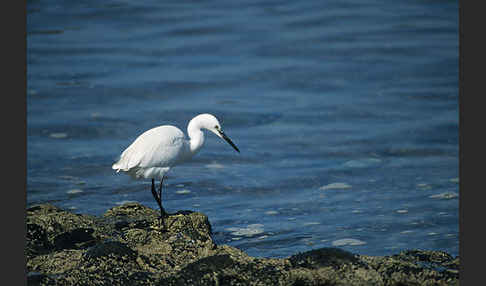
[158, 199]
[162, 211]
[154, 193]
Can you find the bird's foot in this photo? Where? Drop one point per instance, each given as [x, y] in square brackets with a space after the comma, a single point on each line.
[162, 221]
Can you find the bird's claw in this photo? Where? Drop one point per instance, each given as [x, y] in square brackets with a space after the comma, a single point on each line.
[162, 224]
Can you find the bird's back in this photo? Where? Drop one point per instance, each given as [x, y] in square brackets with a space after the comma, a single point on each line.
[153, 152]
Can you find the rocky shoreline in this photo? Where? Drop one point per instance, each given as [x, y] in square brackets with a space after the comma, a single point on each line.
[125, 246]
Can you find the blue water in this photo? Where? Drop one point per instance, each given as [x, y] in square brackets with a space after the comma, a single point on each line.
[345, 112]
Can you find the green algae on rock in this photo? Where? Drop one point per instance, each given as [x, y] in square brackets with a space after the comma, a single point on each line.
[126, 246]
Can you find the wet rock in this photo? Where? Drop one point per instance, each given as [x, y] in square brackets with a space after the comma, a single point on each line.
[37, 241]
[35, 278]
[129, 246]
[110, 248]
[333, 257]
[74, 238]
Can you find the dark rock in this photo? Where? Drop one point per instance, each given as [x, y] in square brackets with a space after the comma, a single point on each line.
[127, 246]
[37, 241]
[316, 258]
[74, 238]
[110, 248]
[35, 278]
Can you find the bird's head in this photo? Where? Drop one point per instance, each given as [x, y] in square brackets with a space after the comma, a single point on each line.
[211, 123]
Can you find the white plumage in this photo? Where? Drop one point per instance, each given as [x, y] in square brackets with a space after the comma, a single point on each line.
[153, 153]
[157, 150]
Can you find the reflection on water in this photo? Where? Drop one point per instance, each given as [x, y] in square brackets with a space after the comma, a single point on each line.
[345, 113]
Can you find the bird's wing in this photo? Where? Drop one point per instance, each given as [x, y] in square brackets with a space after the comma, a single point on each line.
[158, 147]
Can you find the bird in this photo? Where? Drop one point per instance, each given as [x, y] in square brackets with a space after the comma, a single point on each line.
[152, 154]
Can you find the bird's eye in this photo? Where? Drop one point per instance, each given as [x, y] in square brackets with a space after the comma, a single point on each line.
[216, 127]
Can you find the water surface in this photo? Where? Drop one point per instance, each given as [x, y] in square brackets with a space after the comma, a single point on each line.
[345, 112]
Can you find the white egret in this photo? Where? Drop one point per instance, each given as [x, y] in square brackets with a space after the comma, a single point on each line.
[159, 149]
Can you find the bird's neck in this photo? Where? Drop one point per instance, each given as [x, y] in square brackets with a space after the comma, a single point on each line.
[196, 141]
[196, 137]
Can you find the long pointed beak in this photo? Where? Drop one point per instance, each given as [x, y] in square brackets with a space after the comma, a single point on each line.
[228, 140]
